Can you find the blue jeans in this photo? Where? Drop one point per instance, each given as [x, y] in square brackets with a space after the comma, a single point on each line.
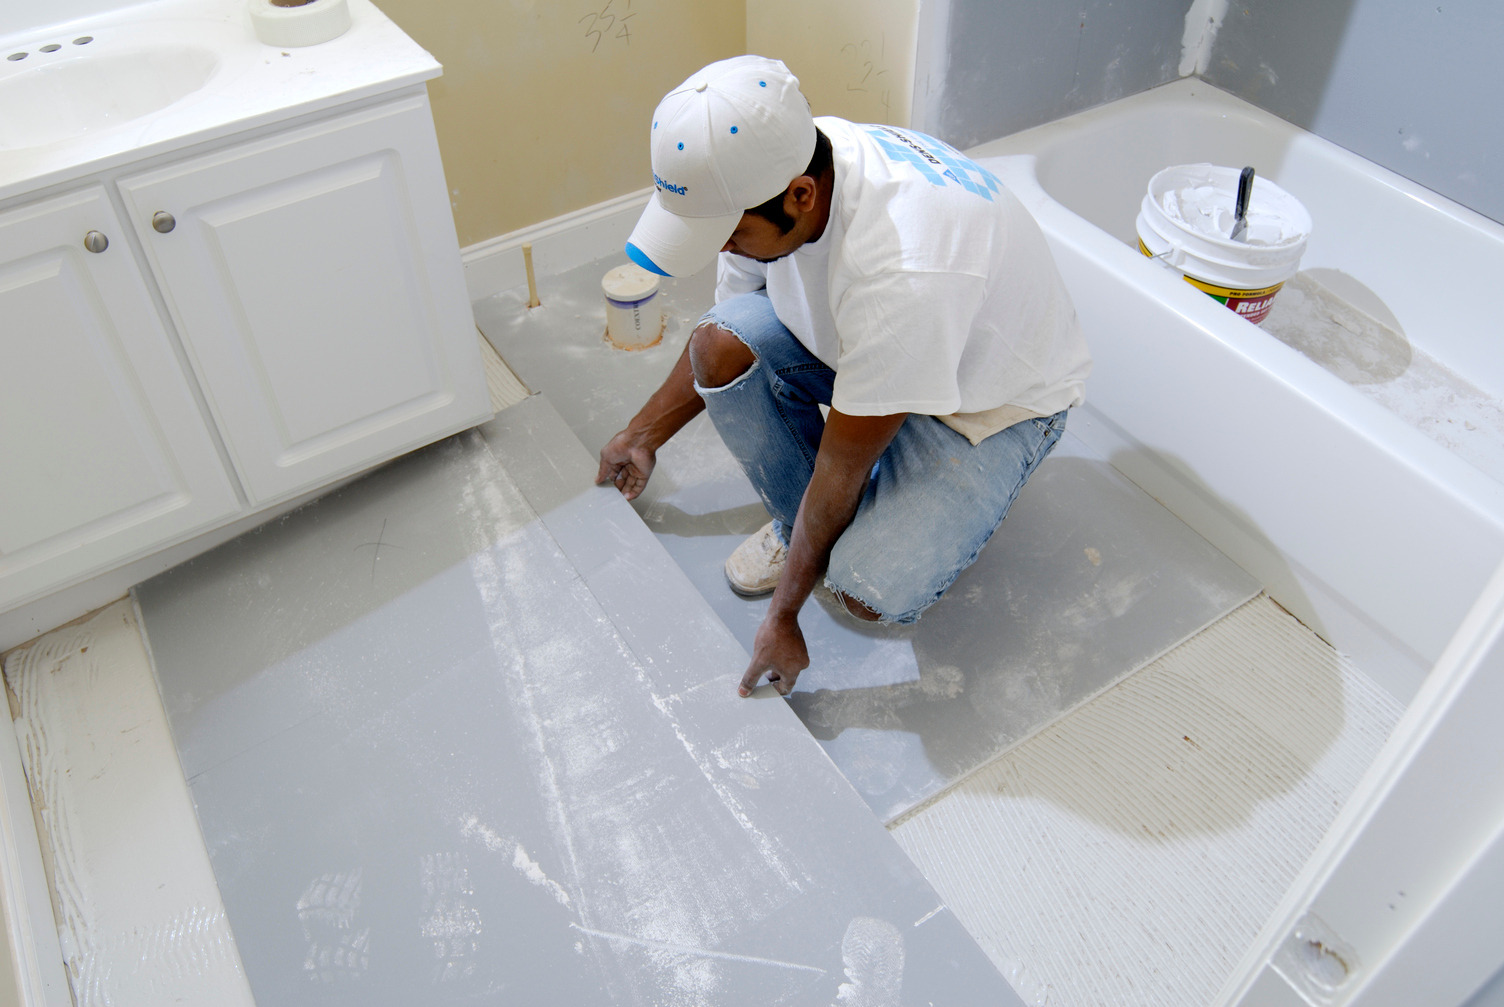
[933, 501]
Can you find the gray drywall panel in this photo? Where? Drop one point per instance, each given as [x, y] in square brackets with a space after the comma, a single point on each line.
[519, 772]
[1410, 86]
[986, 69]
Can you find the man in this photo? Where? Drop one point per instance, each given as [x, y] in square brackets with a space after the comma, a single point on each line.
[880, 273]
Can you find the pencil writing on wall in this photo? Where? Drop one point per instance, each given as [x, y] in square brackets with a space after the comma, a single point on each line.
[609, 24]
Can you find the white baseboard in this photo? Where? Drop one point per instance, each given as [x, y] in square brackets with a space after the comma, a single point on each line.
[559, 244]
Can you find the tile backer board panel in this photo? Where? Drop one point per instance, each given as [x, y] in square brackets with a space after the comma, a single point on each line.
[440, 772]
[1087, 580]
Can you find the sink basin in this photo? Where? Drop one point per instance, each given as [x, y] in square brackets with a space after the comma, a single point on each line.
[49, 97]
[100, 90]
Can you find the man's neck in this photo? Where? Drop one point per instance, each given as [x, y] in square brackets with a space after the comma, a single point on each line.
[824, 195]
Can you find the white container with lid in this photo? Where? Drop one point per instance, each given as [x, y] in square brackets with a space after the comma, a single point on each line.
[634, 318]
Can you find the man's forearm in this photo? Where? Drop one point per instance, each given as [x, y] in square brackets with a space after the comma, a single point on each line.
[829, 504]
[668, 409]
[849, 448]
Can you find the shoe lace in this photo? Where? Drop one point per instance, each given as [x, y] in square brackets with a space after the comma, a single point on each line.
[773, 548]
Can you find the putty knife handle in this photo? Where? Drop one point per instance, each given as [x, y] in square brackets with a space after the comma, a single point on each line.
[1245, 189]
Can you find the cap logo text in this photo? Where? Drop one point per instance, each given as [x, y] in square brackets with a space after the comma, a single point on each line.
[677, 190]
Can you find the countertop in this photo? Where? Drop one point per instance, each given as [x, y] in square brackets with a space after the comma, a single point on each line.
[253, 85]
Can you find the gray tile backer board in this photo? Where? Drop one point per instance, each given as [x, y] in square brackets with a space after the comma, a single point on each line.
[473, 785]
[1087, 580]
[304, 579]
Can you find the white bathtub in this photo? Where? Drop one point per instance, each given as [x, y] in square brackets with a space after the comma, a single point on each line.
[1371, 531]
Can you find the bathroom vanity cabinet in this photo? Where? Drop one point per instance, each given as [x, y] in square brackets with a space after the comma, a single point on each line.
[192, 340]
[105, 451]
[308, 276]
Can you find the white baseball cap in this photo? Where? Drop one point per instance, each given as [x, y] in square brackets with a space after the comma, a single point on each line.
[729, 138]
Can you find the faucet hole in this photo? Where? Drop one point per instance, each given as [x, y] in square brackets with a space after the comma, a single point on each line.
[83, 40]
[53, 47]
[15, 56]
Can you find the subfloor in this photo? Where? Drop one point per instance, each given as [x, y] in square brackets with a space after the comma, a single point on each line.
[1109, 758]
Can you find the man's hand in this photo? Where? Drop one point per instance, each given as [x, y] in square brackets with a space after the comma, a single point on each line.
[627, 460]
[779, 652]
[626, 464]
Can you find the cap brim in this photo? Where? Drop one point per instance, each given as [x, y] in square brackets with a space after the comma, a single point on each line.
[675, 245]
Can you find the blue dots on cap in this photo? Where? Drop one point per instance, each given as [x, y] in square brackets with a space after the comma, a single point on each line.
[733, 129]
[681, 144]
[762, 83]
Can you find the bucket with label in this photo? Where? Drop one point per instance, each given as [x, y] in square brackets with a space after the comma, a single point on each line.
[634, 317]
[1186, 221]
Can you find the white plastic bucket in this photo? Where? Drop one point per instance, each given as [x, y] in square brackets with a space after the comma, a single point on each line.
[1187, 215]
[634, 318]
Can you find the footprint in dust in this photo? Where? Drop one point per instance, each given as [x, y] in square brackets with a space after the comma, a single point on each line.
[327, 910]
[872, 952]
[758, 754]
[449, 922]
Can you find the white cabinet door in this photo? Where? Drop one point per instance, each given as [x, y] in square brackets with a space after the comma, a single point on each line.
[104, 454]
[315, 280]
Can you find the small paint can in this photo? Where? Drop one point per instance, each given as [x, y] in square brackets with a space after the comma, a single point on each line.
[634, 317]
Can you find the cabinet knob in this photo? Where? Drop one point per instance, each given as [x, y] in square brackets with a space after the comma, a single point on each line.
[162, 221]
[95, 241]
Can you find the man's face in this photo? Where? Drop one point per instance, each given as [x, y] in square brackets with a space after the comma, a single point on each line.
[759, 238]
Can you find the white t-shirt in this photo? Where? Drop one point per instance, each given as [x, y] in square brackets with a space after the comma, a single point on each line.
[930, 291]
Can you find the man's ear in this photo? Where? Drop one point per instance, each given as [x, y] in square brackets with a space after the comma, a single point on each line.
[800, 195]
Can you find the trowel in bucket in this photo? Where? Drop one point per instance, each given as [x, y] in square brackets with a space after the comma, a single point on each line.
[1240, 211]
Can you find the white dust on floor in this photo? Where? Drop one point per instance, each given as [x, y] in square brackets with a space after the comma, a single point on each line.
[1129, 853]
[629, 892]
[139, 912]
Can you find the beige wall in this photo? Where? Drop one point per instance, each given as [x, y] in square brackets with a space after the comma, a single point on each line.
[544, 105]
[853, 58]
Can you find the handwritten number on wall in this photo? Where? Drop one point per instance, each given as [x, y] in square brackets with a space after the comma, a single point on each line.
[606, 23]
[865, 71]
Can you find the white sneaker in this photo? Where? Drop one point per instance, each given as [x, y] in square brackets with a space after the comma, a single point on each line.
[754, 567]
